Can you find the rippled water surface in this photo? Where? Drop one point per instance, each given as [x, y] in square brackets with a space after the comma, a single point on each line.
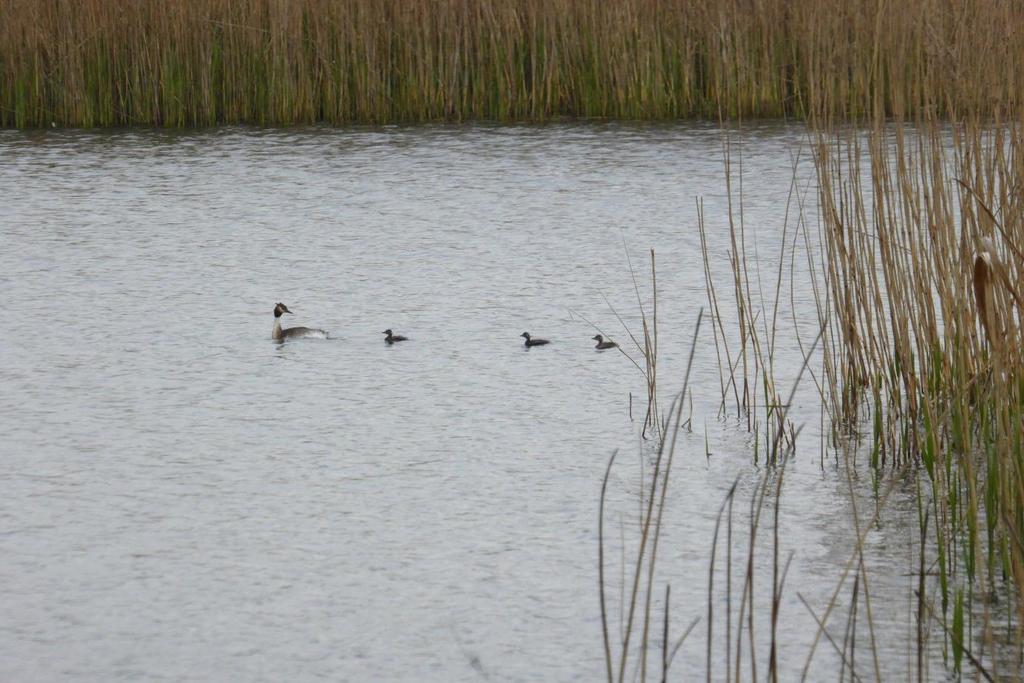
[184, 499]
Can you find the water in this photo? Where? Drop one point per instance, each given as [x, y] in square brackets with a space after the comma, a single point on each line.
[184, 499]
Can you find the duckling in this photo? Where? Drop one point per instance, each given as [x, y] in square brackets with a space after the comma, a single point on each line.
[392, 338]
[533, 342]
[292, 332]
[602, 344]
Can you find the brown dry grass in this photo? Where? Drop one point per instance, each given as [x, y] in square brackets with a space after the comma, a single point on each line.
[120, 62]
[923, 227]
[921, 235]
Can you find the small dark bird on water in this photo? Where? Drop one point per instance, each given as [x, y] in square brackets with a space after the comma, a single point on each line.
[392, 338]
[602, 344]
[533, 342]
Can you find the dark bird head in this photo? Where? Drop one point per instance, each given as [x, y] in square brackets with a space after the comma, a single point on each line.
[279, 309]
[525, 335]
[388, 331]
[598, 338]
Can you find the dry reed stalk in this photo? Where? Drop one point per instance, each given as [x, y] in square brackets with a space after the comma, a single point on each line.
[754, 359]
[651, 517]
[648, 348]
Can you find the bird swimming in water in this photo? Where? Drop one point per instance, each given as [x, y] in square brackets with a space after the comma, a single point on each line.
[602, 344]
[292, 332]
[392, 338]
[533, 342]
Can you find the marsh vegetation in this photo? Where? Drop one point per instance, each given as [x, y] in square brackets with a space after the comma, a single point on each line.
[123, 62]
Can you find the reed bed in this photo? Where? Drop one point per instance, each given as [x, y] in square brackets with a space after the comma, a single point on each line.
[920, 308]
[923, 233]
[206, 62]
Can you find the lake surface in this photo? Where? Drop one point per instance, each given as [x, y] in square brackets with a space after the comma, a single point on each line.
[184, 499]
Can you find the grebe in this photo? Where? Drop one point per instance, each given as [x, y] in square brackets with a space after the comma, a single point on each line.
[292, 332]
[533, 342]
[602, 344]
[392, 338]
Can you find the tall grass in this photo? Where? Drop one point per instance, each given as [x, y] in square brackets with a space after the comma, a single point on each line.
[626, 657]
[921, 228]
[923, 231]
[204, 62]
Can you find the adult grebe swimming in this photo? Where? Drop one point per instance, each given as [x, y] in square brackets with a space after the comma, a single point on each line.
[602, 344]
[292, 332]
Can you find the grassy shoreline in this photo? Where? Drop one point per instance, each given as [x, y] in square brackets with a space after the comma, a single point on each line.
[208, 62]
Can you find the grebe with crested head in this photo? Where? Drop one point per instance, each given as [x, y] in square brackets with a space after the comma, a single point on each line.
[530, 341]
[392, 338]
[280, 334]
[602, 344]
